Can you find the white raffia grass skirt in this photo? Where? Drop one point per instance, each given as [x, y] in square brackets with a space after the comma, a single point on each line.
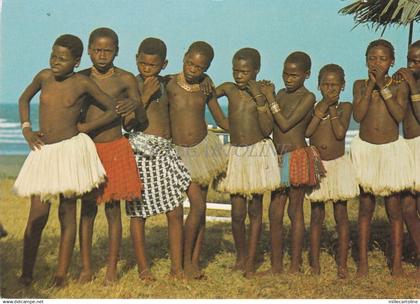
[251, 169]
[382, 169]
[339, 183]
[205, 160]
[414, 145]
[70, 167]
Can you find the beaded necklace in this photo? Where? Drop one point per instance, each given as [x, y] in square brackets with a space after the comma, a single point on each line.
[180, 80]
[98, 75]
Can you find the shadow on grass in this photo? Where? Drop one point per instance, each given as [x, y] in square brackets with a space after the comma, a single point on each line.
[10, 268]
[157, 246]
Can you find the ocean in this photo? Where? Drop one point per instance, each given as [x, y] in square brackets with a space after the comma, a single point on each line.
[13, 143]
[11, 138]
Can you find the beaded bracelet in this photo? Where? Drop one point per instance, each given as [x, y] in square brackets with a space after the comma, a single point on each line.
[415, 97]
[26, 124]
[386, 93]
[274, 108]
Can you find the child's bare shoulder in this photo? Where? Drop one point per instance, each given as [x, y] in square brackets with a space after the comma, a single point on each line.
[228, 86]
[85, 72]
[125, 75]
[168, 78]
[83, 80]
[43, 75]
[281, 93]
[345, 105]
[308, 94]
[359, 83]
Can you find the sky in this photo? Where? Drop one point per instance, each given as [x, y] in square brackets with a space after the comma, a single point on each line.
[274, 27]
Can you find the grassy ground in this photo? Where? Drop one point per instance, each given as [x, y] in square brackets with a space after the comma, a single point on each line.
[217, 256]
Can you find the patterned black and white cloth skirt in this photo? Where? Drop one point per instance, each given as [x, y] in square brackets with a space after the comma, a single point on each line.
[164, 176]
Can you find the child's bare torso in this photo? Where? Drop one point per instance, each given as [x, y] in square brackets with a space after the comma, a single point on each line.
[295, 137]
[115, 87]
[59, 108]
[157, 113]
[186, 112]
[324, 139]
[411, 125]
[378, 126]
[243, 117]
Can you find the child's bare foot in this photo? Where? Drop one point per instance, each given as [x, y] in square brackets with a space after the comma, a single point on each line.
[26, 281]
[110, 277]
[192, 272]
[146, 275]
[342, 273]
[250, 274]
[58, 282]
[397, 271]
[249, 269]
[177, 274]
[362, 270]
[269, 272]
[85, 277]
[239, 266]
[316, 269]
[294, 269]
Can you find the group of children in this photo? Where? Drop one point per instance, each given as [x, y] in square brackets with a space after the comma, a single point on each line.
[167, 152]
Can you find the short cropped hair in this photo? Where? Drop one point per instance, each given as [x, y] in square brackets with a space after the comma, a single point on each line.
[71, 42]
[300, 58]
[415, 44]
[381, 42]
[249, 54]
[331, 68]
[103, 32]
[202, 48]
[153, 46]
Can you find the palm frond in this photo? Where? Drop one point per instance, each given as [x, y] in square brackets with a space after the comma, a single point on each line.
[382, 13]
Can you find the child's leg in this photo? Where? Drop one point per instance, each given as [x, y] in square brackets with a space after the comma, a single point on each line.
[191, 228]
[366, 209]
[139, 241]
[409, 209]
[38, 217]
[255, 219]
[113, 216]
[317, 219]
[295, 212]
[200, 238]
[175, 236]
[238, 214]
[87, 218]
[394, 212]
[342, 221]
[67, 217]
[276, 214]
[418, 233]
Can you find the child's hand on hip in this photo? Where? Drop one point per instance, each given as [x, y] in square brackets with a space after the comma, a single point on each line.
[33, 138]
